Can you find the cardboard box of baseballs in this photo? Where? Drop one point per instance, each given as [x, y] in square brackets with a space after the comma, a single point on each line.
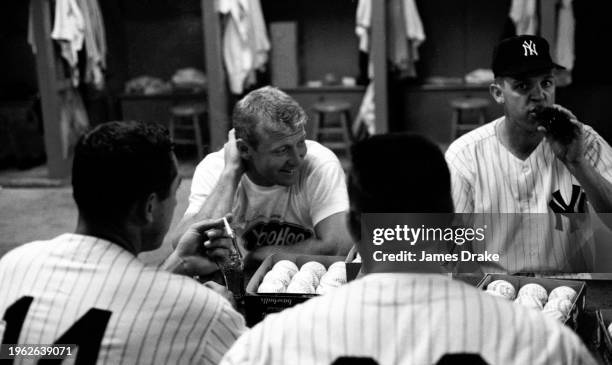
[262, 299]
[563, 299]
[604, 322]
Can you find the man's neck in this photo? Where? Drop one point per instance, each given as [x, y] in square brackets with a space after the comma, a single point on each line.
[255, 178]
[110, 232]
[520, 142]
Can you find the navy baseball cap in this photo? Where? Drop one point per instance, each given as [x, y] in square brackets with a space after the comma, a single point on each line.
[522, 55]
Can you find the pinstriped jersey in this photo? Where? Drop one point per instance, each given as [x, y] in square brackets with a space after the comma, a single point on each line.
[408, 319]
[546, 235]
[91, 292]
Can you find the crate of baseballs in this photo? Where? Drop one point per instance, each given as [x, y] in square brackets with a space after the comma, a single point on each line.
[284, 280]
[604, 331]
[563, 300]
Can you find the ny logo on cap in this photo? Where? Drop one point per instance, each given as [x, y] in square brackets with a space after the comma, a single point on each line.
[529, 47]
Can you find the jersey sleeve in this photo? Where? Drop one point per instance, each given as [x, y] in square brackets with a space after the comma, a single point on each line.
[598, 153]
[225, 330]
[326, 191]
[205, 178]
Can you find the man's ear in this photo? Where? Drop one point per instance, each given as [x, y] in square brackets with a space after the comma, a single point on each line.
[148, 207]
[244, 149]
[496, 92]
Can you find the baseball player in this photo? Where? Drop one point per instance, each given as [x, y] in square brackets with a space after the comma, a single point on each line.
[286, 193]
[516, 165]
[89, 288]
[405, 317]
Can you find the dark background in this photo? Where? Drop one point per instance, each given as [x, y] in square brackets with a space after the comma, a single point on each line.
[156, 37]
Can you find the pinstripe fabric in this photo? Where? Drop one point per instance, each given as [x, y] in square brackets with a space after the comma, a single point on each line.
[408, 319]
[487, 178]
[157, 317]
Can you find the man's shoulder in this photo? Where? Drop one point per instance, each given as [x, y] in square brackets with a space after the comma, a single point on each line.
[33, 248]
[477, 138]
[319, 155]
[214, 160]
[38, 247]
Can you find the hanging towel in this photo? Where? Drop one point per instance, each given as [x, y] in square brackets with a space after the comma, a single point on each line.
[398, 44]
[414, 26]
[245, 41]
[69, 32]
[363, 21]
[565, 35]
[524, 15]
[415, 34]
[404, 31]
[95, 42]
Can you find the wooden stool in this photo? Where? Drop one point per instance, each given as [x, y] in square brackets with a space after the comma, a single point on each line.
[323, 109]
[186, 117]
[467, 105]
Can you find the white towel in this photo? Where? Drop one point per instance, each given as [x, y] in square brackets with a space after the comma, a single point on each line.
[523, 14]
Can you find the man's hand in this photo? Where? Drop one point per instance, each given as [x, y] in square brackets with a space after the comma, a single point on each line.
[572, 153]
[201, 246]
[233, 161]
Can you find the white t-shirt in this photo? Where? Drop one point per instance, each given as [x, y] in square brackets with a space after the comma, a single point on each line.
[408, 319]
[487, 178]
[278, 215]
[110, 300]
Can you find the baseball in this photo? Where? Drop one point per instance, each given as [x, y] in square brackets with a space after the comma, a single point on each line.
[337, 270]
[502, 287]
[331, 281]
[307, 277]
[334, 277]
[560, 304]
[610, 329]
[281, 275]
[534, 290]
[324, 289]
[564, 292]
[495, 294]
[287, 266]
[316, 267]
[556, 314]
[300, 287]
[529, 302]
[271, 286]
[339, 265]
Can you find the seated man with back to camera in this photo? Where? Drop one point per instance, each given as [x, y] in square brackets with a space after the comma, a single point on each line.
[286, 193]
[405, 313]
[89, 288]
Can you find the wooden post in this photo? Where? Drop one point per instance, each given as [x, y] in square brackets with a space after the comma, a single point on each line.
[218, 118]
[379, 57]
[49, 87]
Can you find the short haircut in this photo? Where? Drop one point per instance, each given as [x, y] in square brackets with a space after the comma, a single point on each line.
[118, 164]
[399, 173]
[269, 107]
